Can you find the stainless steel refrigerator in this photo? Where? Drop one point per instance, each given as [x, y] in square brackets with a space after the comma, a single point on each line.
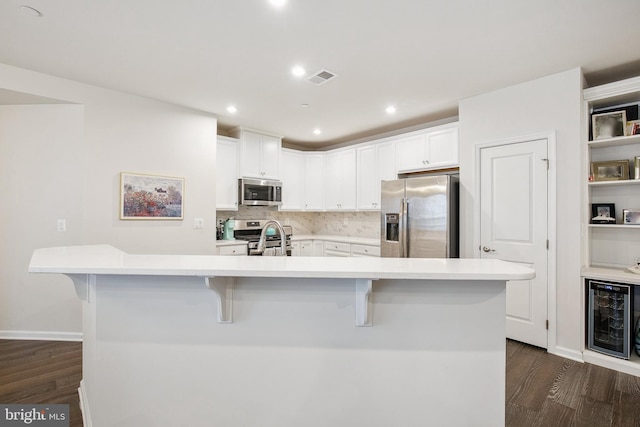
[420, 217]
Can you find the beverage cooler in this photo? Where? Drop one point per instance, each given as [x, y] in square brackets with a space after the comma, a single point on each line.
[609, 317]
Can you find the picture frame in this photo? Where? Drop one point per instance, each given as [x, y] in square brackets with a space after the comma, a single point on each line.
[613, 170]
[633, 127]
[151, 197]
[603, 213]
[631, 216]
[609, 125]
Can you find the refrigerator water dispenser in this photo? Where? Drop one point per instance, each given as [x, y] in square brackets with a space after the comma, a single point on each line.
[393, 227]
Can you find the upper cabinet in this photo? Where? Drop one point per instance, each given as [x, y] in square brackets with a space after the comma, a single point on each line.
[292, 176]
[375, 163]
[435, 148]
[227, 173]
[259, 154]
[344, 179]
[340, 172]
[314, 181]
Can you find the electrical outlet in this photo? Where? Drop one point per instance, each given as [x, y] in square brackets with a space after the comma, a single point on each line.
[345, 221]
[287, 221]
[198, 223]
[62, 225]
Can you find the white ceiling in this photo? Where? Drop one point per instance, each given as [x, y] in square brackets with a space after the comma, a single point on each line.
[420, 55]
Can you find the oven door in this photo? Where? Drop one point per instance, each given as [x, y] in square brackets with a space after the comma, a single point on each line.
[259, 192]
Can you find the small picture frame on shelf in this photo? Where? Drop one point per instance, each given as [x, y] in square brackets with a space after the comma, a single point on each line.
[603, 213]
[614, 170]
[636, 167]
[609, 125]
[631, 216]
[633, 127]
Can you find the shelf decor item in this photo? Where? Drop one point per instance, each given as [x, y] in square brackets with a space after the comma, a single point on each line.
[609, 125]
[633, 127]
[636, 167]
[151, 196]
[631, 216]
[638, 337]
[615, 170]
[603, 213]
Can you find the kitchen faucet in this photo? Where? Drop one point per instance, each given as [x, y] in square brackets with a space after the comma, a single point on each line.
[263, 237]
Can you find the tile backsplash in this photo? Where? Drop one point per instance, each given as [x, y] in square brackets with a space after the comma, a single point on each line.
[358, 224]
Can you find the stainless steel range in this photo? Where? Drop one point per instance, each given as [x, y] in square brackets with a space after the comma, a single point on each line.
[250, 230]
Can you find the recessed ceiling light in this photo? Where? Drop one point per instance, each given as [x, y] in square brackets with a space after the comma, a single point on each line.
[390, 109]
[317, 131]
[304, 105]
[30, 11]
[278, 3]
[298, 71]
[232, 109]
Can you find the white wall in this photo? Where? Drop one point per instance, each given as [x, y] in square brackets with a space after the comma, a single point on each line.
[37, 190]
[63, 161]
[549, 104]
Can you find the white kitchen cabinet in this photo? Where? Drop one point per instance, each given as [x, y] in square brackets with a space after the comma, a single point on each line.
[233, 250]
[259, 154]
[338, 249]
[302, 248]
[436, 148]
[374, 164]
[314, 182]
[227, 173]
[295, 248]
[293, 180]
[340, 189]
[364, 250]
[318, 248]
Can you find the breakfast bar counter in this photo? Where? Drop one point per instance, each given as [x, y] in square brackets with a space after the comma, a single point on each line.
[285, 341]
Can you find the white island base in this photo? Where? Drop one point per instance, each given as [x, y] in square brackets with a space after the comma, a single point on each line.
[273, 341]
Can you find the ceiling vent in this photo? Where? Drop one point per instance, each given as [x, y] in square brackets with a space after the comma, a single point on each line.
[321, 77]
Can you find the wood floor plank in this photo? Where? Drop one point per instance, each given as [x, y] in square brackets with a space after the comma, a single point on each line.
[537, 384]
[569, 385]
[626, 410]
[593, 413]
[553, 412]
[601, 383]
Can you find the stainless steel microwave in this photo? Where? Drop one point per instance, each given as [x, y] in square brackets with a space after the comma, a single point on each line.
[259, 192]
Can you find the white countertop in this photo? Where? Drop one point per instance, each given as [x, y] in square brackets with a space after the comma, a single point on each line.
[341, 239]
[107, 260]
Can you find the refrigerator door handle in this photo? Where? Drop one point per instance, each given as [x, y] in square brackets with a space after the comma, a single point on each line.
[404, 249]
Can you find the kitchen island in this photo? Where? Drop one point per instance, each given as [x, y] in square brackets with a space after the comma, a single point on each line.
[171, 340]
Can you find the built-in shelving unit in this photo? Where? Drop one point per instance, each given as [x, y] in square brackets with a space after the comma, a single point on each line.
[609, 248]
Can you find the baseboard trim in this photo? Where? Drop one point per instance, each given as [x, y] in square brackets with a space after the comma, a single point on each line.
[567, 353]
[41, 335]
[84, 405]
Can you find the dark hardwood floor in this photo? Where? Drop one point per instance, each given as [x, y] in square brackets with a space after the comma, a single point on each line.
[42, 372]
[542, 389]
[547, 390]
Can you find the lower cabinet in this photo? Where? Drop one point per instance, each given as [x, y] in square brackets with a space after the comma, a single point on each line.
[337, 249]
[365, 251]
[329, 248]
[240, 249]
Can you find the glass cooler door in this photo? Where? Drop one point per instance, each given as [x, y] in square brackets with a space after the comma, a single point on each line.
[609, 318]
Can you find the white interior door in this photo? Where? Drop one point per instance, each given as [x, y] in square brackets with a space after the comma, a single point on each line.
[513, 227]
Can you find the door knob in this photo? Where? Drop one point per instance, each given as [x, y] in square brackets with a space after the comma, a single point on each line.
[486, 249]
